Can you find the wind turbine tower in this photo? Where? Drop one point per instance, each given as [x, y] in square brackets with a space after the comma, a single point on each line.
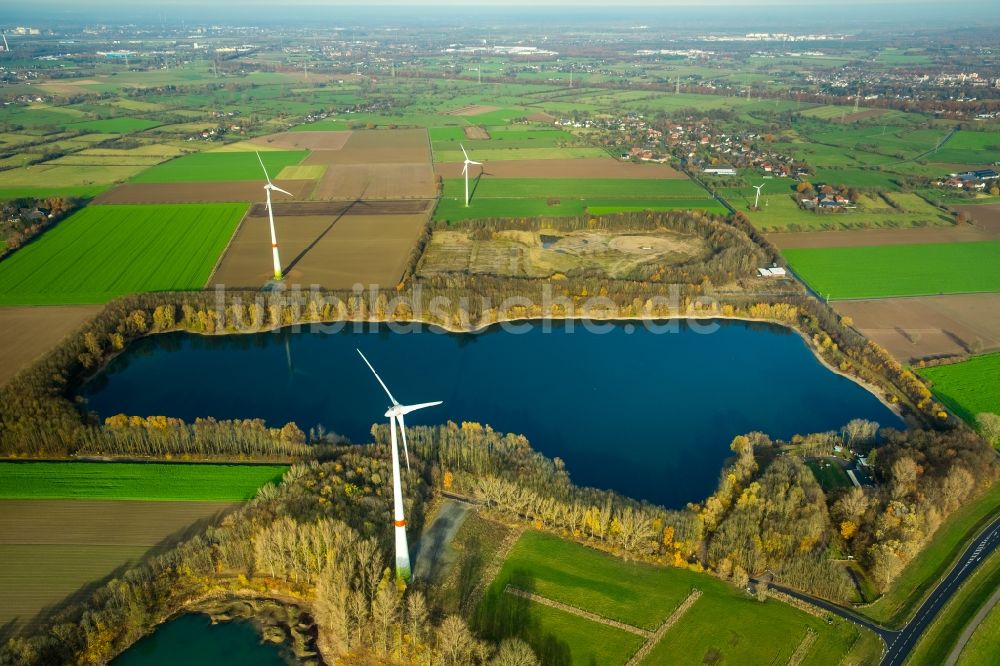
[6, 46]
[756, 201]
[271, 187]
[465, 172]
[395, 413]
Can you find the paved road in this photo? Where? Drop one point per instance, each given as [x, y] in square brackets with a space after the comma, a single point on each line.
[902, 644]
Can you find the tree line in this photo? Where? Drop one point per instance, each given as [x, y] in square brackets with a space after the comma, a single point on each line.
[294, 543]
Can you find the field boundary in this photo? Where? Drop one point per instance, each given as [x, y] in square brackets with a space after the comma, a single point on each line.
[491, 572]
[803, 649]
[657, 636]
[579, 612]
[225, 250]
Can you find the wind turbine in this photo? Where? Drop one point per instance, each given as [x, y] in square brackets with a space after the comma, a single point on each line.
[271, 187]
[756, 201]
[6, 46]
[465, 172]
[395, 413]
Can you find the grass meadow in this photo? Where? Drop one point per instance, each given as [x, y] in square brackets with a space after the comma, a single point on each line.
[102, 252]
[134, 481]
[725, 625]
[556, 197]
[970, 387]
[984, 646]
[123, 125]
[217, 167]
[899, 270]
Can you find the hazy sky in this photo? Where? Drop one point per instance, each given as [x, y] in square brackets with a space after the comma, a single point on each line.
[82, 5]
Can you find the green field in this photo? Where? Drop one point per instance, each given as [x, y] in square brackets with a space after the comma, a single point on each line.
[555, 197]
[831, 475]
[134, 481]
[984, 646]
[40, 193]
[217, 167]
[941, 636]
[115, 125]
[780, 212]
[970, 387]
[102, 252]
[724, 626]
[899, 270]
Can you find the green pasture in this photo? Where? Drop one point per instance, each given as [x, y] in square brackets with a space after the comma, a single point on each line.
[899, 270]
[780, 212]
[115, 125]
[970, 387]
[134, 481]
[102, 252]
[219, 167]
[644, 595]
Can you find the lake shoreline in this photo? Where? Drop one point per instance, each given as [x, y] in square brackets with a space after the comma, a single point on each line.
[874, 389]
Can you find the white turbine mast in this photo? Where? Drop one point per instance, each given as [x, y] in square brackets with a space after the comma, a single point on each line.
[271, 187]
[465, 172]
[6, 47]
[395, 413]
[756, 202]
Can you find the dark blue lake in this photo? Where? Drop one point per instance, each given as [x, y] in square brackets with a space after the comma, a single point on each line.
[192, 640]
[647, 414]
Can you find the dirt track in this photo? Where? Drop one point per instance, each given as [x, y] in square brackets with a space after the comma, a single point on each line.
[591, 167]
[928, 326]
[860, 237]
[224, 192]
[332, 251]
[28, 332]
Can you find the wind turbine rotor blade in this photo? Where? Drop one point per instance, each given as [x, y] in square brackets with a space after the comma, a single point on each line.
[264, 168]
[278, 189]
[465, 169]
[406, 409]
[402, 429]
[478, 163]
[463, 152]
[384, 387]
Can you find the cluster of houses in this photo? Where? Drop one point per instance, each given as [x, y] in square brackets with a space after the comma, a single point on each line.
[834, 202]
[976, 180]
[694, 143]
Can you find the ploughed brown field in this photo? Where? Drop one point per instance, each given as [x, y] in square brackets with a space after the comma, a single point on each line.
[333, 251]
[589, 167]
[376, 164]
[224, 192]
[314, 208]
[376, 181]
[26, 333]
[304, 140]
[399, 146]
[986, 216]
[476, 132]
[52, 550]
[860, 237]
[472, 110]
[928, 326]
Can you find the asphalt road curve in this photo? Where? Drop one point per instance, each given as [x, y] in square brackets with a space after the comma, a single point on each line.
[902, 643]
